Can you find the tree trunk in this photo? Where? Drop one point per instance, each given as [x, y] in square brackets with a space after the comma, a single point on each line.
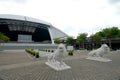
[83, 45]
[79, 45]
[109, 40]
[93, 46]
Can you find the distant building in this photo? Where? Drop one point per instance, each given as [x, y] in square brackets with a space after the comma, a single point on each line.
[90, 44]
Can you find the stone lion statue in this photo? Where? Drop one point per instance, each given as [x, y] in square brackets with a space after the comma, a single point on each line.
[58, 55]
[100, 51]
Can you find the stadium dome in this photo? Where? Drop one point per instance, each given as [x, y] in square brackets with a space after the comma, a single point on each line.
[27, 29]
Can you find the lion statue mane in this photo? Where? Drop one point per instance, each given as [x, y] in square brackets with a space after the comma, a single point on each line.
[58, 55]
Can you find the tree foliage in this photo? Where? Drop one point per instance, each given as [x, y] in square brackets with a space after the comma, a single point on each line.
[69, 40]
[3, 38]
[58, 41]
[82, 37]
[96, 37]
[107, 33]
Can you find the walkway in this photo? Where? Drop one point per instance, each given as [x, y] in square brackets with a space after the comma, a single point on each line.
[25, 68]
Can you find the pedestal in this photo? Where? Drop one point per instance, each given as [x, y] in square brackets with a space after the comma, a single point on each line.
[56, 65]
[99, 59]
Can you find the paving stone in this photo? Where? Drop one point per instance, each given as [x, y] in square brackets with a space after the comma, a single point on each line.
[81, 69]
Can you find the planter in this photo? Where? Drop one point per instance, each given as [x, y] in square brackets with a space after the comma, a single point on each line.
[71, 53]
[52, 51]
[37, 56]
[48, 50]
[33, 54]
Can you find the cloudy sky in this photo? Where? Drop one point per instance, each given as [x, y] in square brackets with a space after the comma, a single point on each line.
[71, 16]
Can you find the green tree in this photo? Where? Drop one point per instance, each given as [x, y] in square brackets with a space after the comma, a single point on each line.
[81, 38]
[114, 32]
[111, 33]
[69, 40]
[119, 34]
[3, 38]
[96, 38]
[58, 41]
[107, 33]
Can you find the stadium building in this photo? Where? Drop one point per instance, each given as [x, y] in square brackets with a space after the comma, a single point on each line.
[26, 32]
[27, 29]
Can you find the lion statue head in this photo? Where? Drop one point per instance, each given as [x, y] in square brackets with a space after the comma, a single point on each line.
[61, 51]
[105, 48]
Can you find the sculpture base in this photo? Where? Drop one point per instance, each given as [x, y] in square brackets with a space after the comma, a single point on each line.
[56, 65]
[99, 59]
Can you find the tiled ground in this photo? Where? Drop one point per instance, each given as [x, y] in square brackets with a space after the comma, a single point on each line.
[81, 69]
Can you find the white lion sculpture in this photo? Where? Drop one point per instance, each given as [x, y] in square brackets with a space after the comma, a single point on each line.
[58, 55]
[100, 51]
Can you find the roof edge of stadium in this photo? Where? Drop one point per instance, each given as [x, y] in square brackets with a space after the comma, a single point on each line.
[60, 31]
[23, 18]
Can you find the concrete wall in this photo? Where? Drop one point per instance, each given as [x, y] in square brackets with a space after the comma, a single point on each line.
[10, 46]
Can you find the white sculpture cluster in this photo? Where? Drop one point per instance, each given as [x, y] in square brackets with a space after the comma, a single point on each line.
[55, 60]
[98, 54]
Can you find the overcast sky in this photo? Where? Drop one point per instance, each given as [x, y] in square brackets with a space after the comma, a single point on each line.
[70, 16]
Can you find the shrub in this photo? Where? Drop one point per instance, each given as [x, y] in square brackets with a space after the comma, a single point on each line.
[58, 41]
[37, 54]
[4, 38]
[70, 52]
[32, 49]
[34, 53]
[52, 51]
[111, 49]
[48, 50]
[81, 48]
[40, 49]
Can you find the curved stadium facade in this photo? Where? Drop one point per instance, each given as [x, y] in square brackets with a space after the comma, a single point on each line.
[27, 29]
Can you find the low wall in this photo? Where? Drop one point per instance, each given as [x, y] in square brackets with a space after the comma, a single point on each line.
[7, 46]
